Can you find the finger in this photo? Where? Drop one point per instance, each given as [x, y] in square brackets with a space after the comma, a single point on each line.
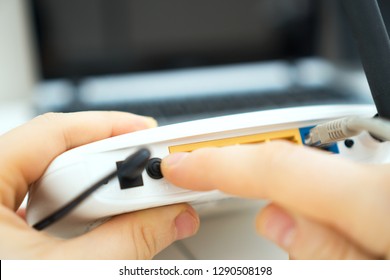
[315, 184]
[18, 240]
[27, 151]
[138, 235]
[303, 238]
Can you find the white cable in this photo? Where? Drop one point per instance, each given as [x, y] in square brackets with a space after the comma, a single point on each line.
[344, 128]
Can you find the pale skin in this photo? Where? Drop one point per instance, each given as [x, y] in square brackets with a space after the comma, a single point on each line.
[25, 154]
[322, 206]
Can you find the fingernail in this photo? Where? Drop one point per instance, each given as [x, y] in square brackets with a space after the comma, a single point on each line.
[280, 228]
[186, 224]
[144, 122]
[174, 158]
[151, 122]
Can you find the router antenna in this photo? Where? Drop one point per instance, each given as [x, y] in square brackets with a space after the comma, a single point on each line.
[373, 42]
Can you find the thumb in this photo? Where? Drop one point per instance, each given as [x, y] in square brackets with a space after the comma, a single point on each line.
[304, 238]
[137, 235]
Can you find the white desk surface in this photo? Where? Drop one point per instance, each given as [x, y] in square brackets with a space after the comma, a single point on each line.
[227, 228]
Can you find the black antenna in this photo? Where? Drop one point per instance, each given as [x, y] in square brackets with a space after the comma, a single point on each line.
[373, 42]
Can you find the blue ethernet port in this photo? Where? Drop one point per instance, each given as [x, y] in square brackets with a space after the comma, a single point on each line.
[304, 131]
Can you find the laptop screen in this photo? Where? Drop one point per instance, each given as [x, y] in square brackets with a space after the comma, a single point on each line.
[97, 37]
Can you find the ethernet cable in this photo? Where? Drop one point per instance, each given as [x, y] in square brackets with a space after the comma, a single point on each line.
[340, 129]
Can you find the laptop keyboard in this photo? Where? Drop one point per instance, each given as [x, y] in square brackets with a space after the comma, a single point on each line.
[182, 109]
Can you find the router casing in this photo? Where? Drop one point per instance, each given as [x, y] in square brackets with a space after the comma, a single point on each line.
[75, 170]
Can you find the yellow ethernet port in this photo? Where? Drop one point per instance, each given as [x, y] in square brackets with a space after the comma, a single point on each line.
[291, 135]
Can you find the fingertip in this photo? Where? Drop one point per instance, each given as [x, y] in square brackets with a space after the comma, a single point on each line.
[138, 235]
[131, 122]
[149, 122]
[173, 160]
[186, 223]
[304, 238]
[170, 166]
[277, 225]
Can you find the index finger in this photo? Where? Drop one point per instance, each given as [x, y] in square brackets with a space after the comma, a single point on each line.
[27, 150]
[321, 186]
[262, 170]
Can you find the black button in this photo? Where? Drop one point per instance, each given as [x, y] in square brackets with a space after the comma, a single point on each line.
[154, 168]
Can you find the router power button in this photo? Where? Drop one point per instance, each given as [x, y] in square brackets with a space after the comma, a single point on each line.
[154, 168]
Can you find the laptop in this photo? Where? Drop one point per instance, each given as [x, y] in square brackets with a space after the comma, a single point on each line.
[180, 60]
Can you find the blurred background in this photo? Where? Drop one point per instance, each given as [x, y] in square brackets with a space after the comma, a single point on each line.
[180, 60]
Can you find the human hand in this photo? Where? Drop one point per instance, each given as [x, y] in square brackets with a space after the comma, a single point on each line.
[25, 154]
[322, 206]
